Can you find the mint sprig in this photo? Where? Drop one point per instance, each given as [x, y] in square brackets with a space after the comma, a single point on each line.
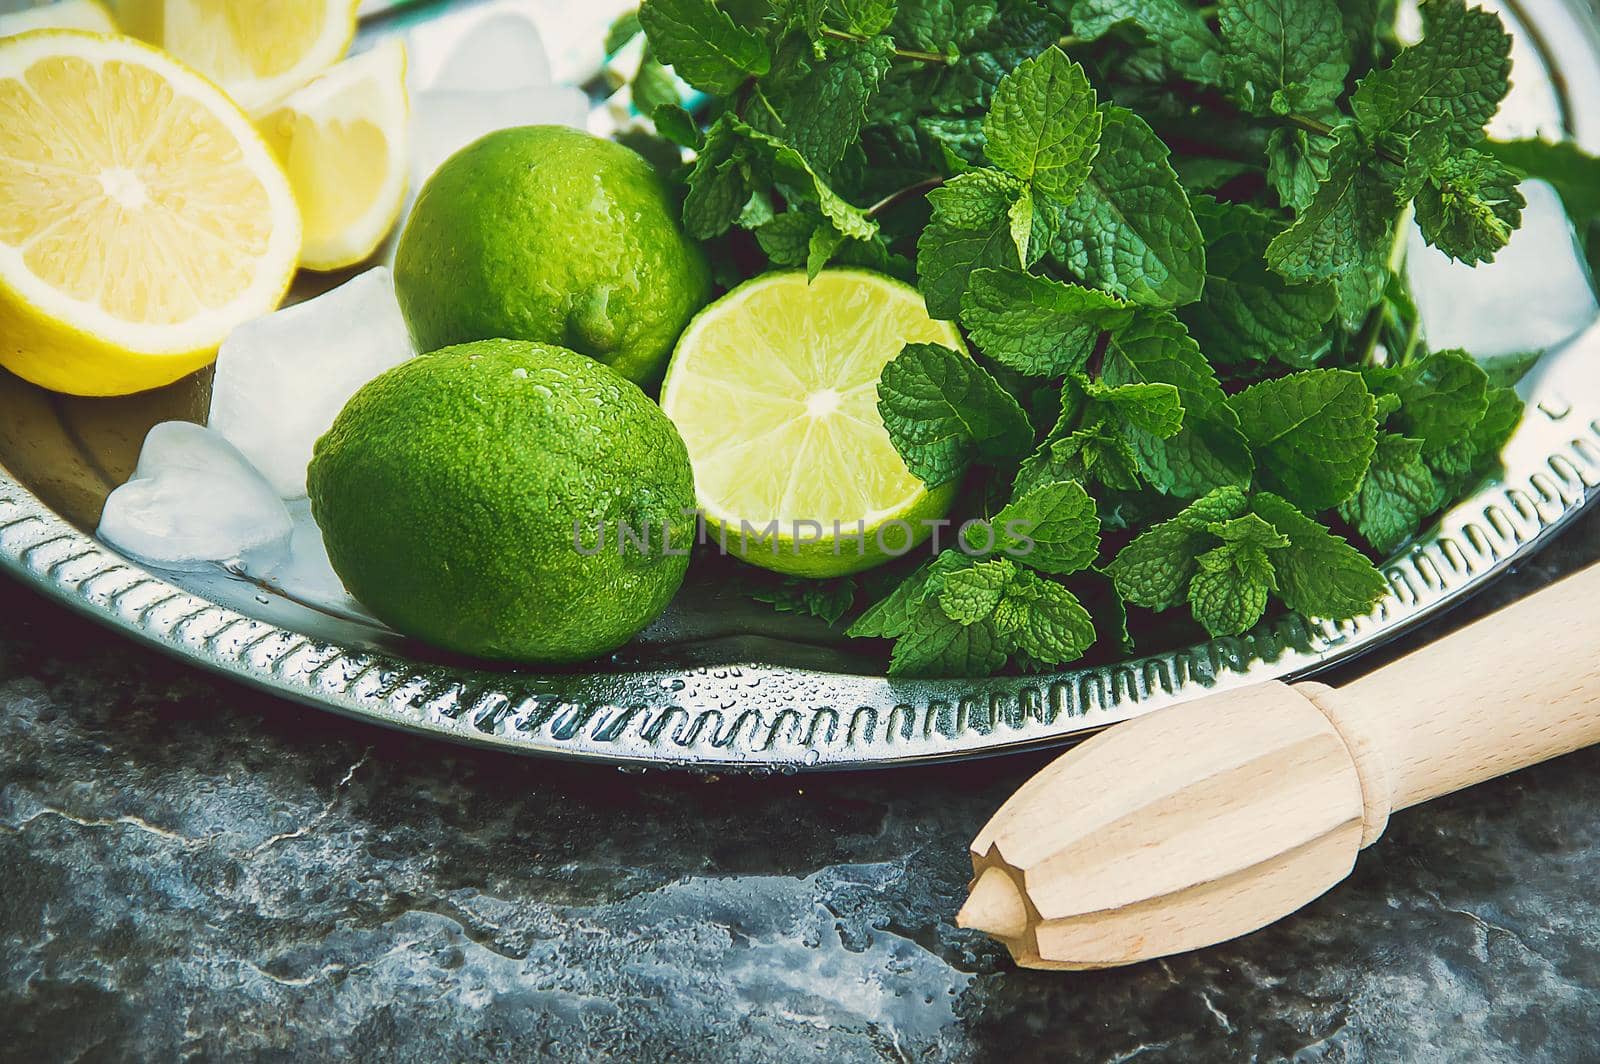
[1197, 381]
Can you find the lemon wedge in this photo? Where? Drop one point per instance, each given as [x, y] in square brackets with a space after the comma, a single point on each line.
[343, 140]
[142, 217]
[64, 15]
[259, 51]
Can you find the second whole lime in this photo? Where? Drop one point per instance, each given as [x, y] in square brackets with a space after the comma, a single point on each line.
[550, 234]
[477, 499]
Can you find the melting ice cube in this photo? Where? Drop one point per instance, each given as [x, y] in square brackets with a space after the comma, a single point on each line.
[1536, 293]
[444, 121]
[193, 499]
[299, 567]
[282, 379]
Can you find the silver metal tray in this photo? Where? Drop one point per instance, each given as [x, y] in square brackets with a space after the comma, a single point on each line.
[722, 684]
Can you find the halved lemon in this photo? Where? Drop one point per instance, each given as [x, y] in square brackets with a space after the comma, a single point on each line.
[63, 15]
[774, 388]
[141, 215]
[259, 51]
[344, 142]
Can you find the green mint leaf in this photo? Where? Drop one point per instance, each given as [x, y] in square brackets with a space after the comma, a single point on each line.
[796, 176]
[1176, 29]
[1459, 465]
[1023, 216]
[893, 615]
[1035, 325]
[1249, 530]
[1018, 611]
[1011, 34]
[971, 595]
[786, 238]
[970, 229]
[943, 411]
[864, 18]
[824, 245]
[1345, 234]
[1155, 348]
[1229, 591]
[1284, 56]
[1156, 408]
[936, 25]
[1469, 206]
[1297, 162]
[1043, 125]
[1095, 454]
[1451, 82]
[826, 600]
[1442, 396]
[1319, 574]
[823, 103]
[1397, 494]
[624, 29]
[698, 40]
[1573, 173]
[1046, 622]
[1201, 173]
[928, 642]
[1209, 451]
[1105, 455]
[1312, 432]
[935, 645]
[967, 621]
[719, 183]
[1054, 528]
[1247, 313]
[654, 86]
[1506, 370]
[1155, 569]
[677, 125]
[1130, 230]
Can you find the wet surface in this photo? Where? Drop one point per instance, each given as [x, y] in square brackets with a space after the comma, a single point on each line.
[191, 869]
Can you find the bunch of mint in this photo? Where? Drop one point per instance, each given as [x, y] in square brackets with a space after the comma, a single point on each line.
[1172, 235]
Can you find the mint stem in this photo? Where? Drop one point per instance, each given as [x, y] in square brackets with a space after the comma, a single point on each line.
[1313, 125]
[899, 194]
[902, 53]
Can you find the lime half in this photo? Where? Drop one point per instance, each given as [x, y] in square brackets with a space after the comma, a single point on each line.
[774, 388]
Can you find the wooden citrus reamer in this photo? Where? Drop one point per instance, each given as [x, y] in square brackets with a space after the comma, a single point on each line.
[1203, 822]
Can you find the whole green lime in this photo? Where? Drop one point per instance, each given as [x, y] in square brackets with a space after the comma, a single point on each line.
[547, 233]
[508, 500]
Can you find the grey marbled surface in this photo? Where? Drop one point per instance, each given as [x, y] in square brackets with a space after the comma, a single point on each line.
[190, 870]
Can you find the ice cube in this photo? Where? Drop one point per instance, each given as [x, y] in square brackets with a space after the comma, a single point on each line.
[501, 51]
[1535, 294]
[193, 500]
[445, 121]
[299, 568]
[482, 48]
[282, 379]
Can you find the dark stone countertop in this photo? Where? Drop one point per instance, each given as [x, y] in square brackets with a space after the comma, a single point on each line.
[192, 870]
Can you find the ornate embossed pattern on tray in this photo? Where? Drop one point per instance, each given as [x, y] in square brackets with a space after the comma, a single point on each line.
[750, 716]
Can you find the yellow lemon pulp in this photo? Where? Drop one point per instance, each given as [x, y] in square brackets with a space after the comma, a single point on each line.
[141, 216]
[259, 51]
[343, 140]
